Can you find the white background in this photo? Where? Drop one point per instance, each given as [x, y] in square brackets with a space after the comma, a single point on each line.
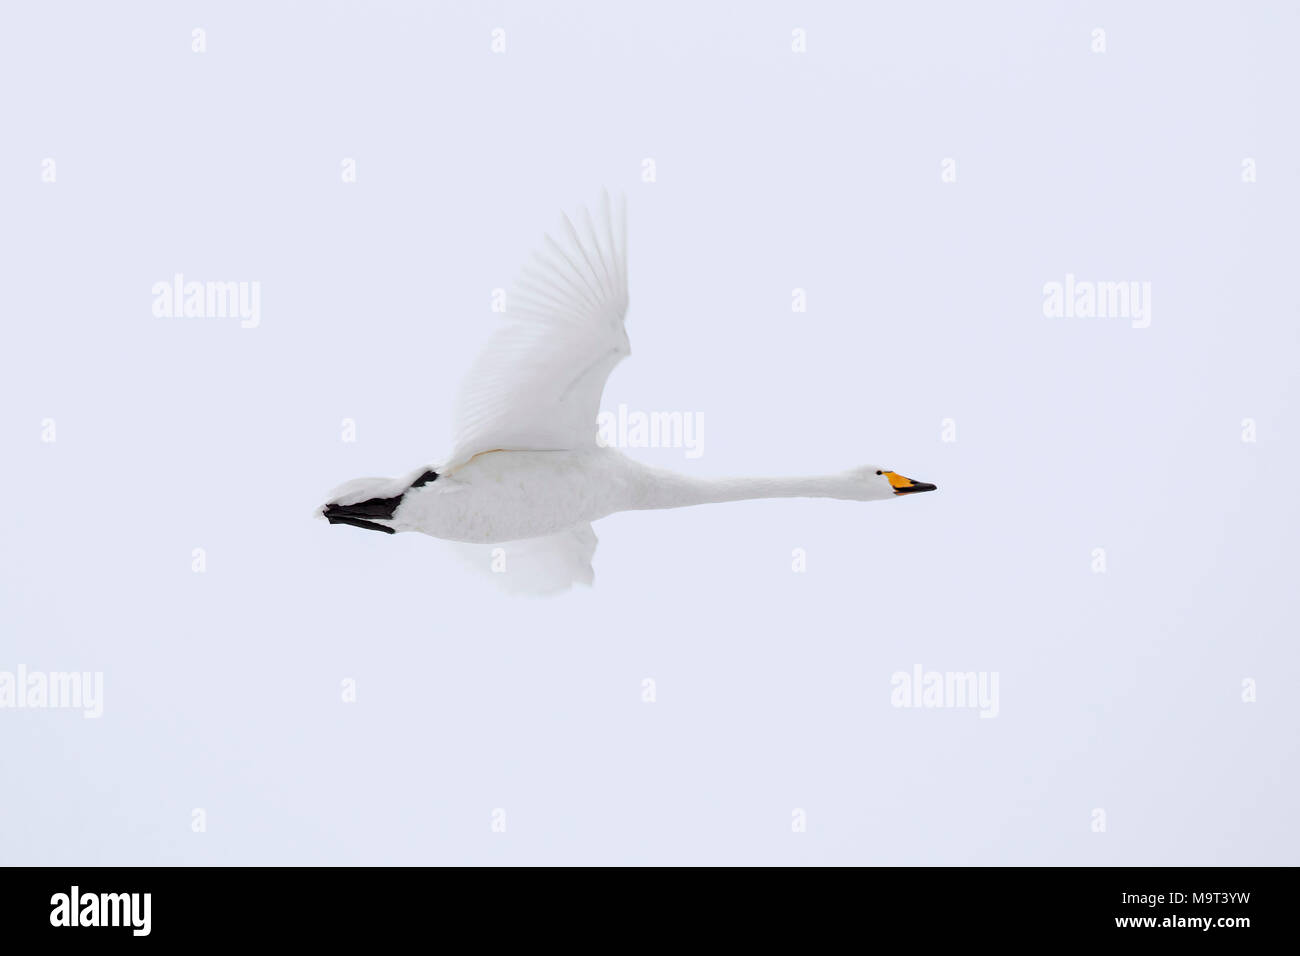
[1119, 691]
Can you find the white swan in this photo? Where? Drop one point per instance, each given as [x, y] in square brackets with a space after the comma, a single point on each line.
[527, 476]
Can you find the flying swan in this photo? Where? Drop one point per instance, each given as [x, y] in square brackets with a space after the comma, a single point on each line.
[527, 476]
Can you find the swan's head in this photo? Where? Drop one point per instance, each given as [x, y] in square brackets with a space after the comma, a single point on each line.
[890, 484]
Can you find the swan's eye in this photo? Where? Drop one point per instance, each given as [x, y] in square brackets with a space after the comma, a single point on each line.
[880, 472]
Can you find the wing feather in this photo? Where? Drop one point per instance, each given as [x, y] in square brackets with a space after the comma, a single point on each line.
[545, 565]
[537, 385]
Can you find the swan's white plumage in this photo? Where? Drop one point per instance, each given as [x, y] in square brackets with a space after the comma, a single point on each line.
[537, 384]
[361, 489]
[543, 565]
[526, 475]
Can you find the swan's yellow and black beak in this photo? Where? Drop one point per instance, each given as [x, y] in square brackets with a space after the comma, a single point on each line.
[906, 486]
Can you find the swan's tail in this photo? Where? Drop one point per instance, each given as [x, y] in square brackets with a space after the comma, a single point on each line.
[365, 502]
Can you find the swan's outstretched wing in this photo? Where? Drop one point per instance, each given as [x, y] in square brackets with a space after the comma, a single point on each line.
[537, 385]
[545, 565]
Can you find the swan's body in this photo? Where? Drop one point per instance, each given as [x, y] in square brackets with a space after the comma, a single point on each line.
[507, 495]
[527, 475]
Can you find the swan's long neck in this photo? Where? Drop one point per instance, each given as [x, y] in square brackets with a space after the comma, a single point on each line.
[667, 489]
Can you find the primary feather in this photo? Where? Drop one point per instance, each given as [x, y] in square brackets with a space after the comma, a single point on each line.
[537, 384]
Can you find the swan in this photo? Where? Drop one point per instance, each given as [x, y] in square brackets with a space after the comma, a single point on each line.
[527, 475]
